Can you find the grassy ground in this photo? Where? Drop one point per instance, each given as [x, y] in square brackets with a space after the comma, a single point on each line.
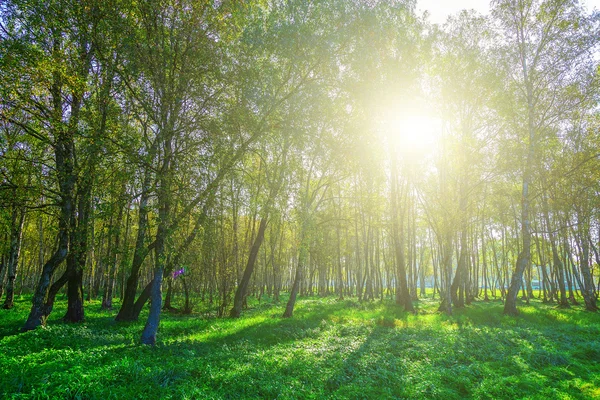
[330, 349]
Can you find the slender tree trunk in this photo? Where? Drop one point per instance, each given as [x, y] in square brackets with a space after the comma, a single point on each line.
[446, 275]
[289, 308]
[524, 258]
[302, 258]
[340, 275]
[169, 297]
[2, 273]
[109, 285]
[242, 289]
[164, 201]
[484, 262]
[588, 282]
[126, 312]
[402, 293]
[16, 238]
[187, 308]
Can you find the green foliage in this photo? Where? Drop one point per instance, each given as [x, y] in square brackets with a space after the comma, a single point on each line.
[331, 349]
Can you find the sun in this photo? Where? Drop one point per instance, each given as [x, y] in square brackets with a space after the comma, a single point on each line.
[416, 134]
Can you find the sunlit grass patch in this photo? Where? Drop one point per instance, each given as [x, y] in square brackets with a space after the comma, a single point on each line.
[329, 349]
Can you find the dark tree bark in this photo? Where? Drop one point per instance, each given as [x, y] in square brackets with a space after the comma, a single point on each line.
[169, 297]
[52, 292]
[75, 312]
[76, 259]
[37, 315]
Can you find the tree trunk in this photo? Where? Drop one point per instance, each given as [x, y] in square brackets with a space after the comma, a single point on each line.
[187, 308]
[587, 290]
[76, 259]
[127, 306]
[289, 308]
[109, 285]
[52, 292]
[446, 275]
[242, 289]
[402, 293]
[524, 258]
[151, 327]
[64, 156]
[459, 282]
[37, 315]
[2, 273]
[16, 238]
[75, 312]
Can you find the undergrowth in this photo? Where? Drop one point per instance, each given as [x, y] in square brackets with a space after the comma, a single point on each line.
[329, 349]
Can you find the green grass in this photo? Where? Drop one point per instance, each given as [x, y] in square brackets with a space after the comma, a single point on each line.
[330, 349]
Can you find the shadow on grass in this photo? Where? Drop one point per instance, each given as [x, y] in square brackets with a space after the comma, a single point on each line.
[339, 349]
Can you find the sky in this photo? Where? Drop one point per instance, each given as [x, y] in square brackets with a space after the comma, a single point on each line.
[440, 9]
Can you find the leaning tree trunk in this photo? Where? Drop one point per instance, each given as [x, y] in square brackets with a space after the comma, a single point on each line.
[302, 258]
[126, 312]
[138, 305]
[37, 315]
[151, 327]
[242, 289]
[289, 308]
[52, 292]
[64, 156]
[240, 293]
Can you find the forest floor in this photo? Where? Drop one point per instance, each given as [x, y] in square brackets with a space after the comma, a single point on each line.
[329, 349]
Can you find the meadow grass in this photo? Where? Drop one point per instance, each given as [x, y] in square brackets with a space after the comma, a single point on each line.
[329, 349]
